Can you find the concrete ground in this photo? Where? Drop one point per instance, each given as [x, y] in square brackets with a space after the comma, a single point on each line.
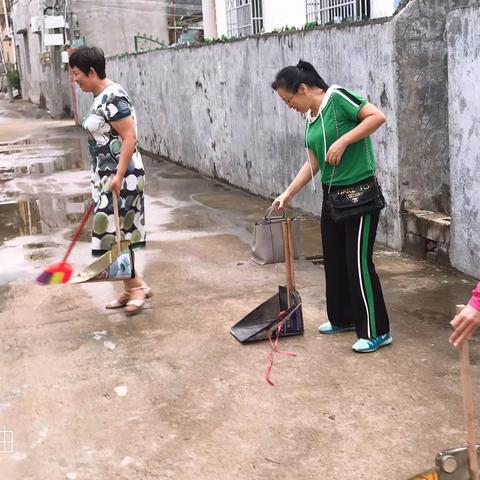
[170, 394]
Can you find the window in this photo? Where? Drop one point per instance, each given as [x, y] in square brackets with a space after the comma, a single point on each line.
[336, 11]
[244, 17]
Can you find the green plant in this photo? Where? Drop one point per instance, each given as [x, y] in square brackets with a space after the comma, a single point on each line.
[14, 79]
[310, 25]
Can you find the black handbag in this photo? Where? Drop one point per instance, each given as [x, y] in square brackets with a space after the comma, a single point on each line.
[349, 202]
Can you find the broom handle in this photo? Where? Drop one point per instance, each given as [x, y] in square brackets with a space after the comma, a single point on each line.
[468, 407]
[78, 232]
[288, 271]
[117, 219]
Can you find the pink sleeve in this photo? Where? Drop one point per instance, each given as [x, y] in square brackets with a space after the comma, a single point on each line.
[475, 300]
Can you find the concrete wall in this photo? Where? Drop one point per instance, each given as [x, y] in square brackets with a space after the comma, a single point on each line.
[423, 97]
[212, 108]
[31, 77]
[464, 113]
[113, 25]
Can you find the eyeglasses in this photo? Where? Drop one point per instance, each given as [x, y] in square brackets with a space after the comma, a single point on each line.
[288, 102]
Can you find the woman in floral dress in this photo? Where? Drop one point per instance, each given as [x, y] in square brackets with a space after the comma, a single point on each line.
[116, 165]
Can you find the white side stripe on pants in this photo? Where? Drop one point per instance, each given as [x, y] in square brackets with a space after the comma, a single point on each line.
[360, 276]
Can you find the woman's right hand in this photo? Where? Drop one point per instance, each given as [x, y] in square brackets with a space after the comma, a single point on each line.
[282, 201]
[465, 325]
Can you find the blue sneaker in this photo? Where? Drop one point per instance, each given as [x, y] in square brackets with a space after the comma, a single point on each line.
[329, 328]
[365, 346]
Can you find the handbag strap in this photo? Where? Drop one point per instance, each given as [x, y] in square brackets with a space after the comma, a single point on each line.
[308, 156]
[325, 143]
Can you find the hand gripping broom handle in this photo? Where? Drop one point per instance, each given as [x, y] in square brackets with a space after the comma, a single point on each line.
[468, 407]
[117, 219]
[78, 232]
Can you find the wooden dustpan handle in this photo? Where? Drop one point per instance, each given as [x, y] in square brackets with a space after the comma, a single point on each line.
[288, 270]
[468, 407]
[292, 252]
[117, 218]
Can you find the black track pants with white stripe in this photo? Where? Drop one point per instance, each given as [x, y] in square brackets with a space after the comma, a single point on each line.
[354, 293]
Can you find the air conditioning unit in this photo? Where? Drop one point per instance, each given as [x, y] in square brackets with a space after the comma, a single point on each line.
[35, 24]
[54, 21]
[53, 40]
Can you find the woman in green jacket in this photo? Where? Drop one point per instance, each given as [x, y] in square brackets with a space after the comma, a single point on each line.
[337, 137]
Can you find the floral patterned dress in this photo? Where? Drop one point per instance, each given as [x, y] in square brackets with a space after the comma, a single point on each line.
[110, 105]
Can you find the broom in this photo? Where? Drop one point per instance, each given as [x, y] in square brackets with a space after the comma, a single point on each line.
[61, 272]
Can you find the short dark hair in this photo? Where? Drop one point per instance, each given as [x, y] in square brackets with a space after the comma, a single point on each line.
[85, 58]
[292, 77]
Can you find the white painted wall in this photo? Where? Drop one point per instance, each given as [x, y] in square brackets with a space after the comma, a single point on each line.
[281, 13]
[221, 6]
[383, 8]
[463, 109]
[209, 19]
[292, 13]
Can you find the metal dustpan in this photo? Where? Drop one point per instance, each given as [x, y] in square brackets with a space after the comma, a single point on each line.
[452, 464]
[116, 264]
[285, 306]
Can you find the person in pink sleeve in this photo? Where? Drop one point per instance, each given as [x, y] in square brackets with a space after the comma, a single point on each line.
[467, 321]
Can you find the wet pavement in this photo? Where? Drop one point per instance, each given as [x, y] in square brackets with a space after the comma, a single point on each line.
[170, 394]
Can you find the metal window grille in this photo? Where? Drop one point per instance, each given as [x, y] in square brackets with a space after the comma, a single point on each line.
[6, 441]
[244, 17]
[336, 11]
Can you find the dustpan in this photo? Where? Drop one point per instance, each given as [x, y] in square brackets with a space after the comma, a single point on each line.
[116, 264]
[284, 308]
[459, 463]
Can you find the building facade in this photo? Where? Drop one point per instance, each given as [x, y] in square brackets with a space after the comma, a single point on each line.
[43, 35]
[234, 18]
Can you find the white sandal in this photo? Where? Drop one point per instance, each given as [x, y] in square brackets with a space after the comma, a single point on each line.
[114, 304]
[138, 303]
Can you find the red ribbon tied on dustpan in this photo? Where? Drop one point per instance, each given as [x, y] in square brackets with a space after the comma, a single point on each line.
[274, 345]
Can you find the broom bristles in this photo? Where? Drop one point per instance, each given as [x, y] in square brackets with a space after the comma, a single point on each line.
[55, 274]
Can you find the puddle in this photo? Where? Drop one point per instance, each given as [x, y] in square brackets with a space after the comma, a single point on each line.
[40, 216]
[44, 191]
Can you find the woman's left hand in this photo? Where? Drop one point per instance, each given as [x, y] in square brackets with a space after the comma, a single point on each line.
[336, 151]
[116, 183]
